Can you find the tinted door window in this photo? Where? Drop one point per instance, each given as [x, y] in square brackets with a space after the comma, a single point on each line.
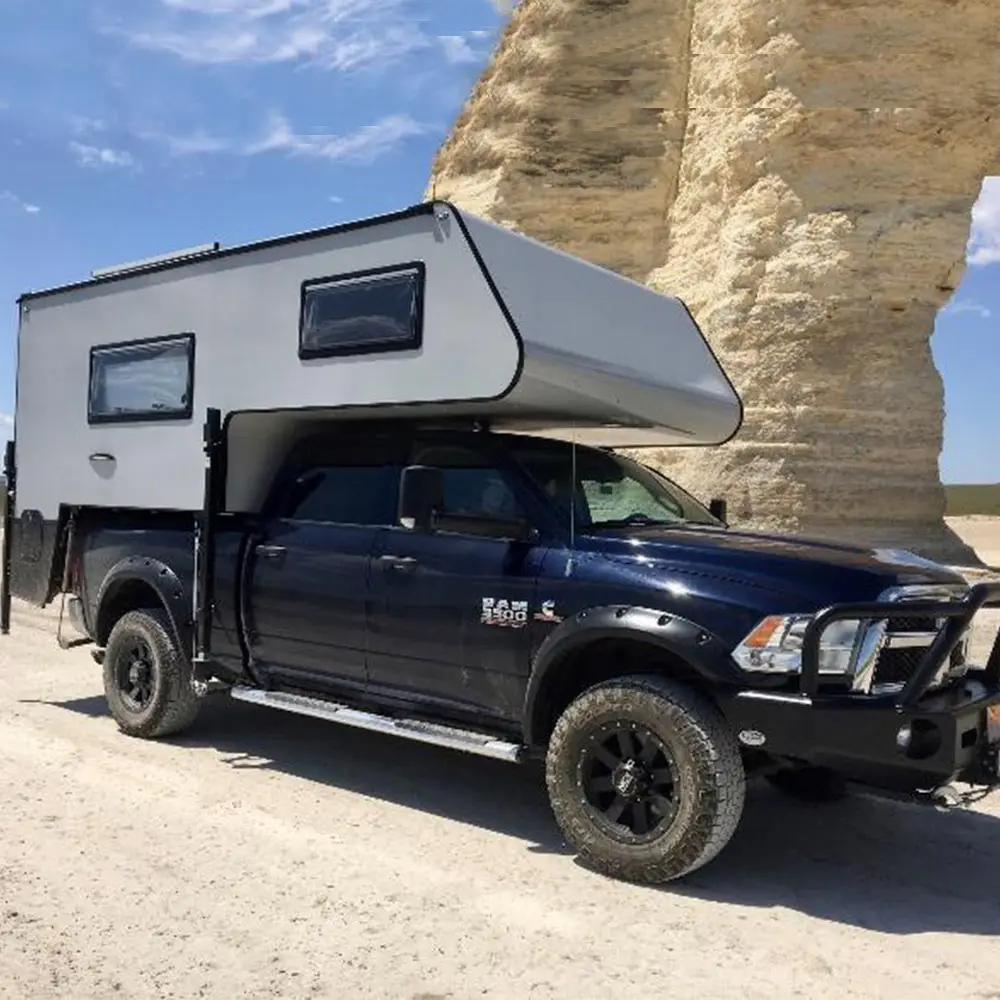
[473, 487]
[344, 494]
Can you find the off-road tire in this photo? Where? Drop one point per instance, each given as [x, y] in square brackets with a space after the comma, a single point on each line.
[709, 777]
[173, 704]
[809, 784]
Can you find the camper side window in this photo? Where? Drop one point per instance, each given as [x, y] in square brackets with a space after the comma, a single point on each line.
[362, 313]
[142, 380]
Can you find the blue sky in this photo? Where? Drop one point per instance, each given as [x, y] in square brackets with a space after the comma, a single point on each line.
[133, 127]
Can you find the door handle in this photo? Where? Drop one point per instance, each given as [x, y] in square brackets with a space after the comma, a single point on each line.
[401, 563]
[271, 551]
[101, 456]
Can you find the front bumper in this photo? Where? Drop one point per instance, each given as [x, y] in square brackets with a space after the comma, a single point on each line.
[945, 738]
[923, 735]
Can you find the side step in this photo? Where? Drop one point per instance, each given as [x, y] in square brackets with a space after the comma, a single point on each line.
[411, 729]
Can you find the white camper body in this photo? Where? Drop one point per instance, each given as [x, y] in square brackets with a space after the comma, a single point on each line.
[427, 312]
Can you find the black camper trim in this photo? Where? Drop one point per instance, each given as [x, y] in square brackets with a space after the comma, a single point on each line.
[416, 271]
[95, 416]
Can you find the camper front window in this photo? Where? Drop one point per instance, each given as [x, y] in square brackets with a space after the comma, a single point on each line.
[142, 380]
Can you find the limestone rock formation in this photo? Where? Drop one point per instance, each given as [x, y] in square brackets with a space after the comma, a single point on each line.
[801, 173]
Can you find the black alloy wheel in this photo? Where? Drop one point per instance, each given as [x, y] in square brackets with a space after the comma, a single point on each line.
[135, 674]
[629, 780]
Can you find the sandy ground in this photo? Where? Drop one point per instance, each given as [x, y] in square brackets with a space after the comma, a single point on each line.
[982, 533]
[264, 855]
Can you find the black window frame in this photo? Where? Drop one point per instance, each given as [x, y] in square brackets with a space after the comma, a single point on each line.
[413, 343]
[143, 416]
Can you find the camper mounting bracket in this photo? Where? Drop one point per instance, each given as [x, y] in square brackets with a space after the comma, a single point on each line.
[10, 474]
[204, 554]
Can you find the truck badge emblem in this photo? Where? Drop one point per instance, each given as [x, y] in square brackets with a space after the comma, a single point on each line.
[752, 738]
[547, 613]
[507, 614]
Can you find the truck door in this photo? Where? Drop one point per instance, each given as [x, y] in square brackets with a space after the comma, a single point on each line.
[307, 607]
[450, 610]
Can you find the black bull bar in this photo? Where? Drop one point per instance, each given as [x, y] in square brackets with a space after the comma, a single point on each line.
[903, 742]
[959, 615]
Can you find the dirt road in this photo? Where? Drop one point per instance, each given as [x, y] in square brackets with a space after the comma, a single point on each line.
[265, 855]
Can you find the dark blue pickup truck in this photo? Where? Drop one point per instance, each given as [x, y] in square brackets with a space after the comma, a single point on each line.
[525, 598]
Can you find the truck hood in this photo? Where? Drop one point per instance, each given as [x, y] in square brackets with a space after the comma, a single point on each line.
[823, 570]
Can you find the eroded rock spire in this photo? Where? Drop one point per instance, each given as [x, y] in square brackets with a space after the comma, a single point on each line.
[801, 173]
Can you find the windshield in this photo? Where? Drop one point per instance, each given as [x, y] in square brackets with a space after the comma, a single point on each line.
[608, 490]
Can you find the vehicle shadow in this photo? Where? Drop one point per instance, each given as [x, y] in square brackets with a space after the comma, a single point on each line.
[887, 866]
[864, 862]
[479, 791]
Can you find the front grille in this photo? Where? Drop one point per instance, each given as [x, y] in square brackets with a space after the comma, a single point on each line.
[912, 625]
[896, 665]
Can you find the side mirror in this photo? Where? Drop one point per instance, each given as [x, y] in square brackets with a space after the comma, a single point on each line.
[421, 492]
[717, 508]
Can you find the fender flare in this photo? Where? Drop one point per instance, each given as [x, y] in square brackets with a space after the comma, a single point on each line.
[697, 646]
[164, 582]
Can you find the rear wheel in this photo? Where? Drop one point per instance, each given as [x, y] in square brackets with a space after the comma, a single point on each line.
[645, 779]
[147, 679]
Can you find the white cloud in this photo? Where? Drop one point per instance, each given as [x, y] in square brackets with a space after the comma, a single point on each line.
[968, 307]
[335, 199]
[97, 156]
[9, 198]
[6, 419]
[249, 8]
[457, 49]
[196, 144]
[333, 34]
[86, 125]
[984, 244]
[365, 145]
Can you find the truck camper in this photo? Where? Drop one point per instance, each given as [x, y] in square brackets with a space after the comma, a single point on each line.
[374, 474]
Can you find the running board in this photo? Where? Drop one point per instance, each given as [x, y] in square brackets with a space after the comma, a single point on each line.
[411, 729]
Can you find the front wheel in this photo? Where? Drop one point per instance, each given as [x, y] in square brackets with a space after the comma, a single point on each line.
[645, 779]
[147, 679]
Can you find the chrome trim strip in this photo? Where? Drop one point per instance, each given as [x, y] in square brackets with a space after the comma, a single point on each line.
[793, 699]
[873, 637]
[909, 640]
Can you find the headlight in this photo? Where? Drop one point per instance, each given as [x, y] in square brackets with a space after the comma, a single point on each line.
[775, 646]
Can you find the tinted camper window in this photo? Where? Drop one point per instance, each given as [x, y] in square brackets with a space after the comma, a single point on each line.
[362, 313]
[143, 380]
